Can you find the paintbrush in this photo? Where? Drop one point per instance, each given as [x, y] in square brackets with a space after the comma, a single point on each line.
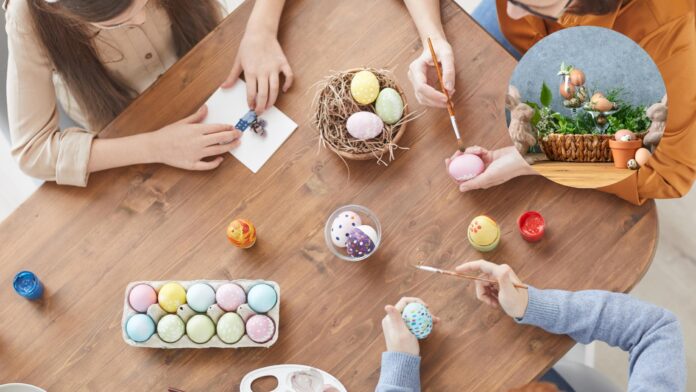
[452, 273]
[450, 107]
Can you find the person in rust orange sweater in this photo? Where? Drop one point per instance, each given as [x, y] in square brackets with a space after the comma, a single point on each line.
[665, 30]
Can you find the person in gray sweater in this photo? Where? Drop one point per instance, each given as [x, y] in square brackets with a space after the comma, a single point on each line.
[650, 334]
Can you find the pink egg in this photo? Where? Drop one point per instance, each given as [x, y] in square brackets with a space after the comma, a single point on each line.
[465, 167]
[364, 125]
[141, 297]
[229, 296]
[623, 135]
[642, 156]
[260, 328]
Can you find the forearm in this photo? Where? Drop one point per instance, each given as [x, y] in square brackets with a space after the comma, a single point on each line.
[426, 16]
[119, 152]
[650, 334]
[265, 17]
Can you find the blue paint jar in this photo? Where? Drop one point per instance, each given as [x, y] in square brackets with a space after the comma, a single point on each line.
[28, 285]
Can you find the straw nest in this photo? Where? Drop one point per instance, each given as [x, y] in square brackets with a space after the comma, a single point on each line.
[334, 104]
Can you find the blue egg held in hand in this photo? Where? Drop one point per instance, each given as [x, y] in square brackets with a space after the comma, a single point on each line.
[140, 327]
[418, 319]
[262, 298]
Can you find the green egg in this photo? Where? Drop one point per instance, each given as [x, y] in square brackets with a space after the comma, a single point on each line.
[389, 106]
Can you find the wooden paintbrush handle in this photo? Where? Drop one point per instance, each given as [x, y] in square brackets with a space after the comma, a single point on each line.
[450, 108]
[519, 286]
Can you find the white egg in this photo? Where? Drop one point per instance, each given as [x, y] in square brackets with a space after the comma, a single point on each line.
[342, 225]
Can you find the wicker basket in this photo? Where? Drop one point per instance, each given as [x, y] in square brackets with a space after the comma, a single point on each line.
[579, 148]
[357, 149]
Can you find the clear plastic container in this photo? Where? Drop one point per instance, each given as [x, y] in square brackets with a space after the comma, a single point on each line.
[367, 217]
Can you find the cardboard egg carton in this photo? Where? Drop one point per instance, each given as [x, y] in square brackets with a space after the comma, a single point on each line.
[215, 341]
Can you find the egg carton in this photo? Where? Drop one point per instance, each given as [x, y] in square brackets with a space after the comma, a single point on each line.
[215, 341]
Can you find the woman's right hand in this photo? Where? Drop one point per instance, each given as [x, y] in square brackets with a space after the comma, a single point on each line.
[186, 143]
[418, 74]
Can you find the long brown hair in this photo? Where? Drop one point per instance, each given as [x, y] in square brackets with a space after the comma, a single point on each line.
[63, 28]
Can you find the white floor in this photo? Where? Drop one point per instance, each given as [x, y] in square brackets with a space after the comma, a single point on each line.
[667, 283]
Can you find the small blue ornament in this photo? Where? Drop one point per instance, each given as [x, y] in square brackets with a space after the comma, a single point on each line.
[250, 119]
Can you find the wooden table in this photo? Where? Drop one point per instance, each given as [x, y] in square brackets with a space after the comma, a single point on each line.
[156, 223]
[581, 174]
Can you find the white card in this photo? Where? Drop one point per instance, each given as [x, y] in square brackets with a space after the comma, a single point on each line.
[227, 106]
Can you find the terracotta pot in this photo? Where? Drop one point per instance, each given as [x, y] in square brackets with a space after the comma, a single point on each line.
[623, 151]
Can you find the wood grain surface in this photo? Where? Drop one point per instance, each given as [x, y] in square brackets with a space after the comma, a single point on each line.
[581, 174]
[153, 222]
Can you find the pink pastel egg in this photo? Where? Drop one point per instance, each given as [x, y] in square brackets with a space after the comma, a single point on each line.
[229, 296]
[465, 167]
[260, 328]
[141, 297]
[642, 156]
[364, 125]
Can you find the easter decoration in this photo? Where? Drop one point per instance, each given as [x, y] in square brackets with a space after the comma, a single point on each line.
[201, 314]
[588, 133]
[352, 233]
[241, 233]
[464, 167]
[657, 113]
[418, 319]
[483, 234]
[297, 378]
[361, 114]
[28, 285]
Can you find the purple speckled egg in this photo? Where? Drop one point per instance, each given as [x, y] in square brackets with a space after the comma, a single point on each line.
[359, 244]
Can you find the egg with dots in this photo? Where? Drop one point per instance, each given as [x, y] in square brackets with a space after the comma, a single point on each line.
[200, 296]
[464, 167]
[364, 125]
[418, 319]
[342, 225]
[483, 233]
[642, 156]
[241, 233]
[361, 241]
[260, 328]
[262, 298]
[171, 296]
[230, 296]
[389, 106]
[140, 327]
[170, 328]
[624, 135]
[141, 297]
[364, 87]
[230, 328]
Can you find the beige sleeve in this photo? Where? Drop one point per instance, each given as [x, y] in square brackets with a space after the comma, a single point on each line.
[40, 147]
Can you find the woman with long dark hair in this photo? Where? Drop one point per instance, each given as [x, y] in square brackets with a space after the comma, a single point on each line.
[95, 56]
[664, 29]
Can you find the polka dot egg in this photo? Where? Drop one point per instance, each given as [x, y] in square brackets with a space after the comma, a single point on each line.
[418, 319]
[389, 106]
[359, 243]
[364, 87]
[260, 328]
[342, 225]
[170, 328]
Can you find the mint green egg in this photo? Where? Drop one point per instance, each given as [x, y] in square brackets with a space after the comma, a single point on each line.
[389, 106]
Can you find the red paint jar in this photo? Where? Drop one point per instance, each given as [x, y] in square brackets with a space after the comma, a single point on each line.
[531, 225]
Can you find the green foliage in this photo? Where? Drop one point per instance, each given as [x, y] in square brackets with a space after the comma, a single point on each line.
[545, 96]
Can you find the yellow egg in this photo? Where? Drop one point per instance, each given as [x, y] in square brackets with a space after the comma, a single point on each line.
[484, 233]
[171, 296]
[642, 156]
[364, 87]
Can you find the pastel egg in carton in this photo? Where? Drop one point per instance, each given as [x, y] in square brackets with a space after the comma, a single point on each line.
[201, 313]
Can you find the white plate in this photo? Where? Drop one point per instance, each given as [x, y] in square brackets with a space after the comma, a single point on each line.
[17, 387]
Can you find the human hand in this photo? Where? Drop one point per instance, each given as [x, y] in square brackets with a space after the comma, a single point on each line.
[262, 60]
[504, 294]
[500, 166]
[185, 143]
[418, 74]
[396, 334]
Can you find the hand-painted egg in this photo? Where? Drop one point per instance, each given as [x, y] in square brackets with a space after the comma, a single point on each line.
[241, 233]
[230, 328]
[200, 296]
[642, 156]
[262, 297]
[359, 244]
[632, 164]
[230, 296]
[141, 297]
[200, 328]
[171, 296]
[465, 167]
[364, 125]
[483, 233]
[624, 135]
[389, 106]
[370, 232]
[418, 319]
[364, 87]
[170, 328]
[342, 225]
[260, 328]
[140, 327]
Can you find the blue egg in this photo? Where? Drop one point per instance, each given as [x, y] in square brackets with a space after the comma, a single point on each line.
[418, 319]
[262, 298]
[200, 296]
[140, 327]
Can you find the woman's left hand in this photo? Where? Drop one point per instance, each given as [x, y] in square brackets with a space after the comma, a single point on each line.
[262, 60]
[501, 165]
